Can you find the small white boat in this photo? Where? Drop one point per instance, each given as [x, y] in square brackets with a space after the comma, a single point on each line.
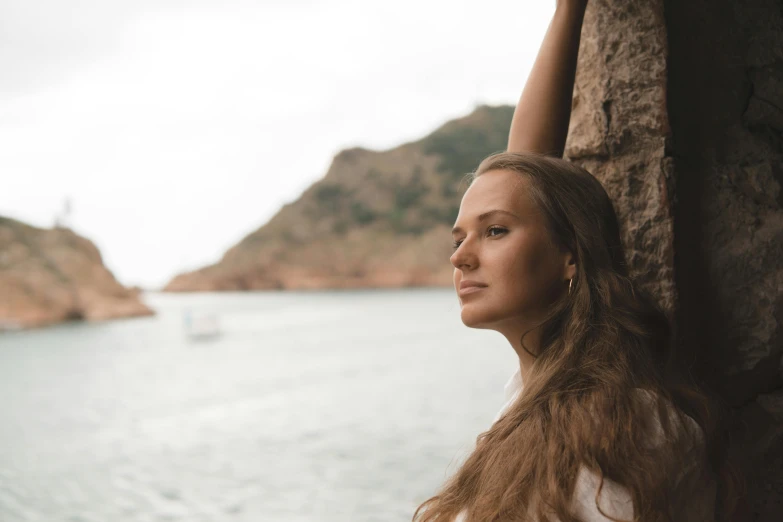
[201, 326]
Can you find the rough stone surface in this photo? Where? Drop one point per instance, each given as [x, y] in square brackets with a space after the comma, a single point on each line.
[619, 127]
[49, 276]
[677, 110]
[725, 100]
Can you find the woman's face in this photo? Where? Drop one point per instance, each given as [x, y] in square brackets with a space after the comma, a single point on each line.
[505, 246]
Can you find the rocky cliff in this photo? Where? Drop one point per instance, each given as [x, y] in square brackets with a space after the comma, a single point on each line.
[376, 219]
[678, 110]
[49, 276]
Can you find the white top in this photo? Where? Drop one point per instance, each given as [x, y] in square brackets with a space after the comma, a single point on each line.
[696, 489]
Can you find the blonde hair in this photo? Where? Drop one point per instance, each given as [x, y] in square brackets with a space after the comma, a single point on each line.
[600, 347]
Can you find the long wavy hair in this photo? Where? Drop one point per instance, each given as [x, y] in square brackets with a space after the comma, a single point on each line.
[599, 347]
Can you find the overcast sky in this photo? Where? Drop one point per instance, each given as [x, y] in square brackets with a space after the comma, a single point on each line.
[178, 127]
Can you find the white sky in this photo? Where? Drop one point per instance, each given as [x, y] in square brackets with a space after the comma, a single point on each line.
[178, 127]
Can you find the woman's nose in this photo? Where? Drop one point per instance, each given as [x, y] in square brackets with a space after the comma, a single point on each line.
[463, 256]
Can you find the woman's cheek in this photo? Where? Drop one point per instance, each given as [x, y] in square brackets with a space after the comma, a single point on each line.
[514, 262]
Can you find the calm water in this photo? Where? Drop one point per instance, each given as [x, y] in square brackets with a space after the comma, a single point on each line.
[311, 406]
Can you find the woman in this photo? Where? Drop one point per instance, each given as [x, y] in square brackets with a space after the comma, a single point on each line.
[599, 429]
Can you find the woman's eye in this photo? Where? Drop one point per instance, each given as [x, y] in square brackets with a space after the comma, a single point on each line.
[499, 230]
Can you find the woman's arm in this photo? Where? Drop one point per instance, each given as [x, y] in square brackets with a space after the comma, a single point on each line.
[540, 122]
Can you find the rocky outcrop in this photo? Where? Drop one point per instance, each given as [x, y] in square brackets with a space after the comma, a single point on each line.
[377, 219]
[678, 110]
[49, 276]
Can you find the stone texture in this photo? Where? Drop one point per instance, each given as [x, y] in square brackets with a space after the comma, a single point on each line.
[49, 276]
[678, 111]
[725, 110]
[619, 127]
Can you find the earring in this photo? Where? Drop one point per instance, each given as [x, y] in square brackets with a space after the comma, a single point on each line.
[569, 285]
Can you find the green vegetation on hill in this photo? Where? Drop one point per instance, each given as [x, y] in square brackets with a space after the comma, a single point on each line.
[461, 147]
[421, 199]
[404, 195]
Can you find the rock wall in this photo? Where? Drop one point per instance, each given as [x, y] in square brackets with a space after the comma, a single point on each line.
[678, 110]
[619, 127]
[49, 276]
[726, 112]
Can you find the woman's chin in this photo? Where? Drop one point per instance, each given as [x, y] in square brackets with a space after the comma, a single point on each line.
[474, 318]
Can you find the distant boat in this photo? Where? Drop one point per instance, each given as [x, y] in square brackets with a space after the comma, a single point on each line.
[201, 326]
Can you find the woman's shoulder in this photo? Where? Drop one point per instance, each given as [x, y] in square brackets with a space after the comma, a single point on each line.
[693, 486]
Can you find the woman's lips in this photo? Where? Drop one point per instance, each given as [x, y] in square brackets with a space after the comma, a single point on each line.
[470, 290]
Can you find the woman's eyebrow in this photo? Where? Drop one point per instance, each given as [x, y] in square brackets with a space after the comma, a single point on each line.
[485, 215]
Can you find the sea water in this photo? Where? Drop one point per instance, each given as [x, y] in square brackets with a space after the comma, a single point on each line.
[306, 406]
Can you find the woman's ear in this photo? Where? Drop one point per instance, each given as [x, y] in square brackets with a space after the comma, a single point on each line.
[570, 265]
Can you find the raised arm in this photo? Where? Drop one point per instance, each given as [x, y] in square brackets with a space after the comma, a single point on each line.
[540, 122]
